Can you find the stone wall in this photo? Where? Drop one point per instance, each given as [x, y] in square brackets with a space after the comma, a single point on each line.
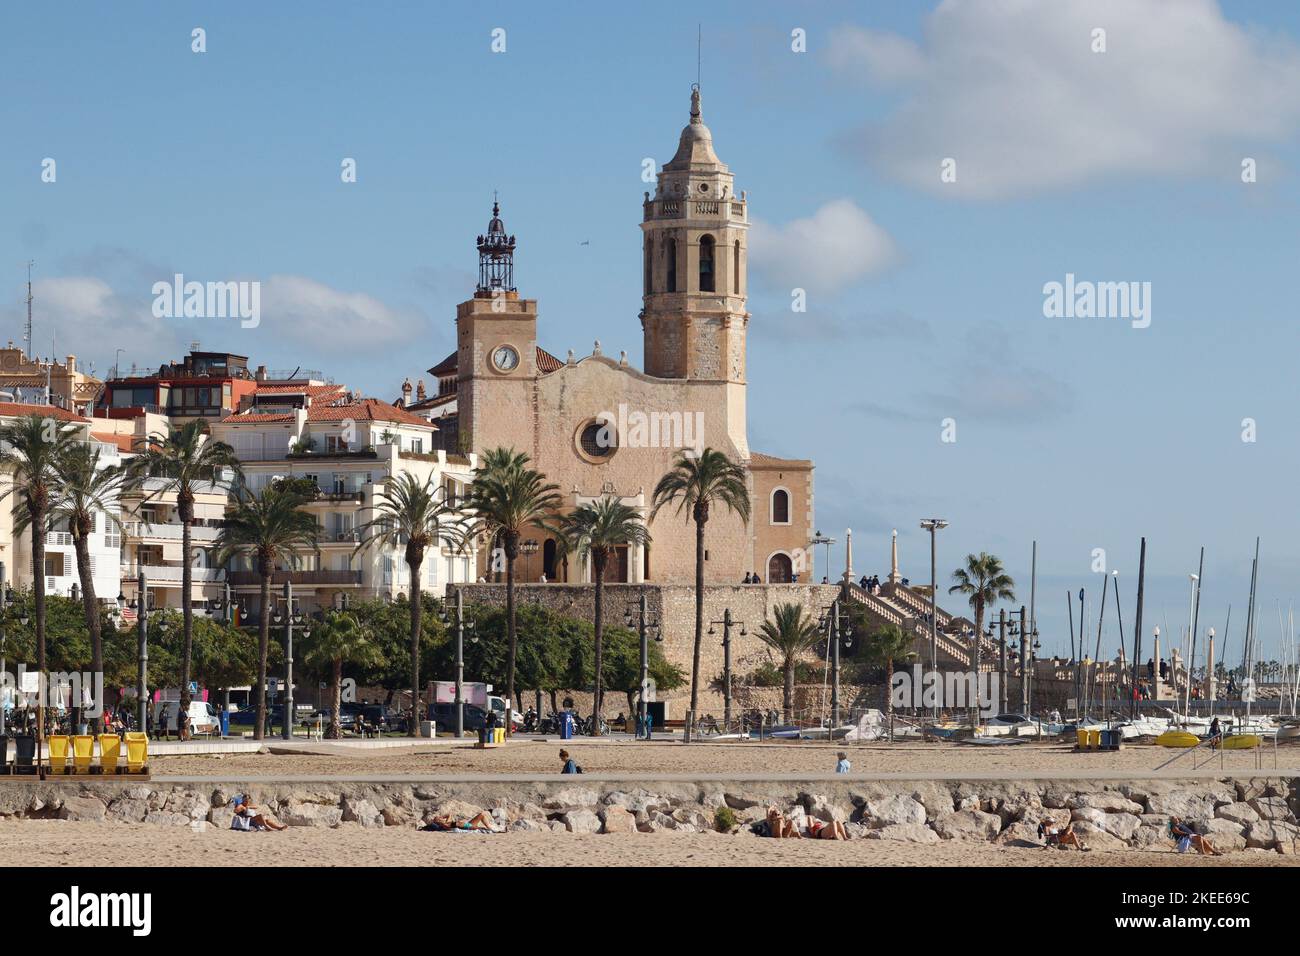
[1233, 813]
[673, 605]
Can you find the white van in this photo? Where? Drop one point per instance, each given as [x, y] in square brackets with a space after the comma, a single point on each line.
[203, 717]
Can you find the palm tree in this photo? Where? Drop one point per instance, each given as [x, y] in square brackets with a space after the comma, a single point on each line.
[597, 530]
[890, 643]
[790, 634]
[272, 528]
[696, 482]
[335, 641]
[985, 582]
[410, 515]
[30, 450]
[506, 497]
[87, 489]
[182, 461]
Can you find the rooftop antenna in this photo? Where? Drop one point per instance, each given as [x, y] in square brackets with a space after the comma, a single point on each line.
[27, 333]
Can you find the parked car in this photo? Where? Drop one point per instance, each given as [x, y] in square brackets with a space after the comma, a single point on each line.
[203, 717]
[444, 715]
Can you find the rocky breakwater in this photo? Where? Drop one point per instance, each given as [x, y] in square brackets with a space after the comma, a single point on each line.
[1236, 814]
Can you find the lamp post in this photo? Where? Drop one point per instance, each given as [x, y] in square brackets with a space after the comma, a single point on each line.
[644, 625]
[834, 624]
[142, 641]
[727, 622]
[819, 538]
[461, 625]
[932, 525]
[290, 618]
[1193, 579]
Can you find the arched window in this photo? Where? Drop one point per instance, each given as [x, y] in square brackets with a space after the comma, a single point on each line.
[649, 265]
[670, 253]
[548, 559]
[780, 506]
[706, 264]
[735, 269]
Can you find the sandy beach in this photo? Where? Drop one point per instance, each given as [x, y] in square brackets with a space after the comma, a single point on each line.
[625, 756]
[64, 843]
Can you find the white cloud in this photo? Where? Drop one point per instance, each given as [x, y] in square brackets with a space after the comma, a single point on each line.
[330, 318]
[837, 245]
[1012, 90]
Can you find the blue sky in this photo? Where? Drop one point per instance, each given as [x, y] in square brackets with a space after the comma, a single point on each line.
[925, 299]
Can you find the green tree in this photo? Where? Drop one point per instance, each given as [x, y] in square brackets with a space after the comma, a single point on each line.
[506, 497]
[87, 488]
[336, 641]
[597, 531]
[789, 633]
[271, 528]
[984, 582]
[184, 462]
[31, 448]
[884, 646]
[696, 483]
[412, 515]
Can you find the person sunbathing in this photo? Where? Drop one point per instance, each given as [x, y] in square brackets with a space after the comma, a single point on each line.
[247, 816]
[1184, 836]
[1057, 836]
[781, 826]
[446, 822]
[821, 830]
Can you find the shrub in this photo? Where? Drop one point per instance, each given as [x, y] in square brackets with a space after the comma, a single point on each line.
[724, 819]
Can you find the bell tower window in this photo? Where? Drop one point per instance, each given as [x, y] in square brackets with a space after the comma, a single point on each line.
[670, 253]
[649, 265]
[706, 265]
[735, 270]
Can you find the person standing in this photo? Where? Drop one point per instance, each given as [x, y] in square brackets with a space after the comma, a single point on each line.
[842, 765]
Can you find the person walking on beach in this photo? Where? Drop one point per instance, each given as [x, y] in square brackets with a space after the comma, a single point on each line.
[842, 765]
[1216, 733]
[569, 765]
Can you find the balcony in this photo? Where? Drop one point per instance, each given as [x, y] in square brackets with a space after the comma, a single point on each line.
[170, 573]
[169, 532]
[247, 578]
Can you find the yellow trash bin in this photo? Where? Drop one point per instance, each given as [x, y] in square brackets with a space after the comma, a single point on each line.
[1083, 739]
[60, 745]
[110, 746]
[83, 751]
[499, 735]
[1094, 740]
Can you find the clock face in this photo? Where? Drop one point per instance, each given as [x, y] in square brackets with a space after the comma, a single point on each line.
[505, 358]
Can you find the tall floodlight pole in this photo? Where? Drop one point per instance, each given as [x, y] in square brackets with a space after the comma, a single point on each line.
[142, 639]
[1137, 624]
[932, 525]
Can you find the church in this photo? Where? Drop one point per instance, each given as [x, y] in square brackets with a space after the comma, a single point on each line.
[597, 427]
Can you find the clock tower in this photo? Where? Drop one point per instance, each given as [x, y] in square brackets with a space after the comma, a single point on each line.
[694, 245]
[496, 350]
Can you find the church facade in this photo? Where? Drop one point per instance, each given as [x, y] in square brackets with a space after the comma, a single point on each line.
[597, 427]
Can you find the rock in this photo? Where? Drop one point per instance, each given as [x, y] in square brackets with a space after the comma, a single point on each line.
[127, 810]
[893, 810]
[935, 796]
[84, 809]
[458, 810]
[968, 825]
[1267, 834]
[1240, 813]
[1185, 804]
[617, 820]
[637, 801]
[904, 833]
[1036, 815]
[531, 811]
[969, 802]
[581, 821]
[1020, 834]
[1272, 808]
[167, 818]
[1095, 838]
[557, 826]
[1223, 834]
[856, 831]
[1119, 825]
[1106, 802]
[525, 825]
[692, 818]
[737, 802]
[1151, 838]
[753, 815]
[397, 816]
[818, 806]
[572, 797]
[363, 812]
[220, 818]
[295, 814]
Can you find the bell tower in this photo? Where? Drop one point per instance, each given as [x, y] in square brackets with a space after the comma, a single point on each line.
[694, 241]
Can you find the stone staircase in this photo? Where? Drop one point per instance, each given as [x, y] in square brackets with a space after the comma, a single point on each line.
[898, 604]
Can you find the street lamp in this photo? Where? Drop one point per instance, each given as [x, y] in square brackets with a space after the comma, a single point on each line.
[819, 538]
[932, 525]
[461, 626]
[727, 622]
[835, 625]
[645, 625]
[289, 616]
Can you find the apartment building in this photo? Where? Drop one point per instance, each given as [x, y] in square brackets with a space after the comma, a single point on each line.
[349, 448]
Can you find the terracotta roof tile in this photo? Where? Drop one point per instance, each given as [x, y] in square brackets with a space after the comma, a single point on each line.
[19, 409]
[759, 460]
[546, 362]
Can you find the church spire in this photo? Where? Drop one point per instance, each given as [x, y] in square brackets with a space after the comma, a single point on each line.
[496, 256]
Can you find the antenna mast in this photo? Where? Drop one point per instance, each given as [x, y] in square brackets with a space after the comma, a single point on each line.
[27, 334]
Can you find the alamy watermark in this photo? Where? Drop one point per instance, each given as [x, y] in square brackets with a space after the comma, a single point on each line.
[1098, 300]
[84, 689]
[641, 429]
[208, 300]
[953, 690]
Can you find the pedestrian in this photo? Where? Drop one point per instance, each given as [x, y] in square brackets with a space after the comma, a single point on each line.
[569, 765]
[842, 766]
[757, 579]
[1215, 732]
[749, 578]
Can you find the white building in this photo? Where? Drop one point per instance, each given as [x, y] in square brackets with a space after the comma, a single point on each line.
[350, 448]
